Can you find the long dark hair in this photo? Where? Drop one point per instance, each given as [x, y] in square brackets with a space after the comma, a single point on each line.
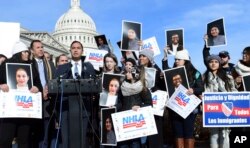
[221, 74]
[17, 58]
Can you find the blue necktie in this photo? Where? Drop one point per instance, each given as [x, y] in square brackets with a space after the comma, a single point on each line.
[41, 72]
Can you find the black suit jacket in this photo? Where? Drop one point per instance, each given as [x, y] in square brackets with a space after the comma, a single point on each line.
[87, 72]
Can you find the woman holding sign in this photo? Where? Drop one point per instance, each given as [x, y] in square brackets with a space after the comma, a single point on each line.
[135, 94]
[9, 126]
[184, 128]
[216, 80]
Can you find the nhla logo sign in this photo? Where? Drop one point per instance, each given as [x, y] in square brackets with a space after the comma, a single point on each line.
[24, 101]
[96, 56]
[133, 121]
[181, 99]
[240, 139]
[154, 99]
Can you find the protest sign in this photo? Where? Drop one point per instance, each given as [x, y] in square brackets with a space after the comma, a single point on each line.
[159, 99]
[226, 109]
[95, 57]
[151, 43]
[20, 104]
[134, 124]
[182, 103]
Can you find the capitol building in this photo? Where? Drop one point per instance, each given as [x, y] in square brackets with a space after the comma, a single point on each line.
[73, 25]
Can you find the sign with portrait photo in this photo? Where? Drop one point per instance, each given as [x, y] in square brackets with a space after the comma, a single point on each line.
[216, 33]
[246, 82]
[111, 86]
[174, 39]
[134, 124]
[174, 77]
[19, 76]
[182, 103]
[107, 128]
[102, 43]
[131, 35]
[20, 104]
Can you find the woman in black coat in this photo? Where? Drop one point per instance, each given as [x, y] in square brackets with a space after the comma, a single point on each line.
[20, 126]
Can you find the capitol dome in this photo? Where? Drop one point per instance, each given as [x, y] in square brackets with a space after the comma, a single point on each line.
[75, 24]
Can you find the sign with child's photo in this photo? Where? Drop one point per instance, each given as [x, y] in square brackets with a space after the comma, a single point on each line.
[111, 86]
[107, 127]
[19, 76]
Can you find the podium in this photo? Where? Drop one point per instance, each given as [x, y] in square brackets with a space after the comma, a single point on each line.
[73, 90]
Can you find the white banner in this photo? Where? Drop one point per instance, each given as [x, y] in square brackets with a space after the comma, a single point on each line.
[9, 35]
[151, 43]
[134, 124]
[182, 103]
[95, 57]
[20, 104]
[159, 99]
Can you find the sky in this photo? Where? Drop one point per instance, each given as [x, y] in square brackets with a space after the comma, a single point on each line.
[156, 16]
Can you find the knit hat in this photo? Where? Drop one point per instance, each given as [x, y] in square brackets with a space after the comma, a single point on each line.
[19, 47]
[182, 55]
[148, 53]
[213, 57]
[131, 61]
[224, 54]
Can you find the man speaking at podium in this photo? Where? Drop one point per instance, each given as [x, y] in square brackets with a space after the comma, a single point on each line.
[76, 69]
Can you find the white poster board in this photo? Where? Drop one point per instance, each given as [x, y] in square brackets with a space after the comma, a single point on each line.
[9, 35]
[20, 104]
[159, 99]
[152, 44]
[95, 57]
[150, 77]
[134, 124]
[182, 103]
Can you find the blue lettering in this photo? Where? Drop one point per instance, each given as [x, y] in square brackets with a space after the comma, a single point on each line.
[98, 55]
[23, 99]
[147, 46]
[132, 119]
[154, 98]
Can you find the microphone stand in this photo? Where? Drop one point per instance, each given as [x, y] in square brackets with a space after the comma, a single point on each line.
[78, 80]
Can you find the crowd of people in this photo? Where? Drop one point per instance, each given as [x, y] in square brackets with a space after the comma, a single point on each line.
[132, 93]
